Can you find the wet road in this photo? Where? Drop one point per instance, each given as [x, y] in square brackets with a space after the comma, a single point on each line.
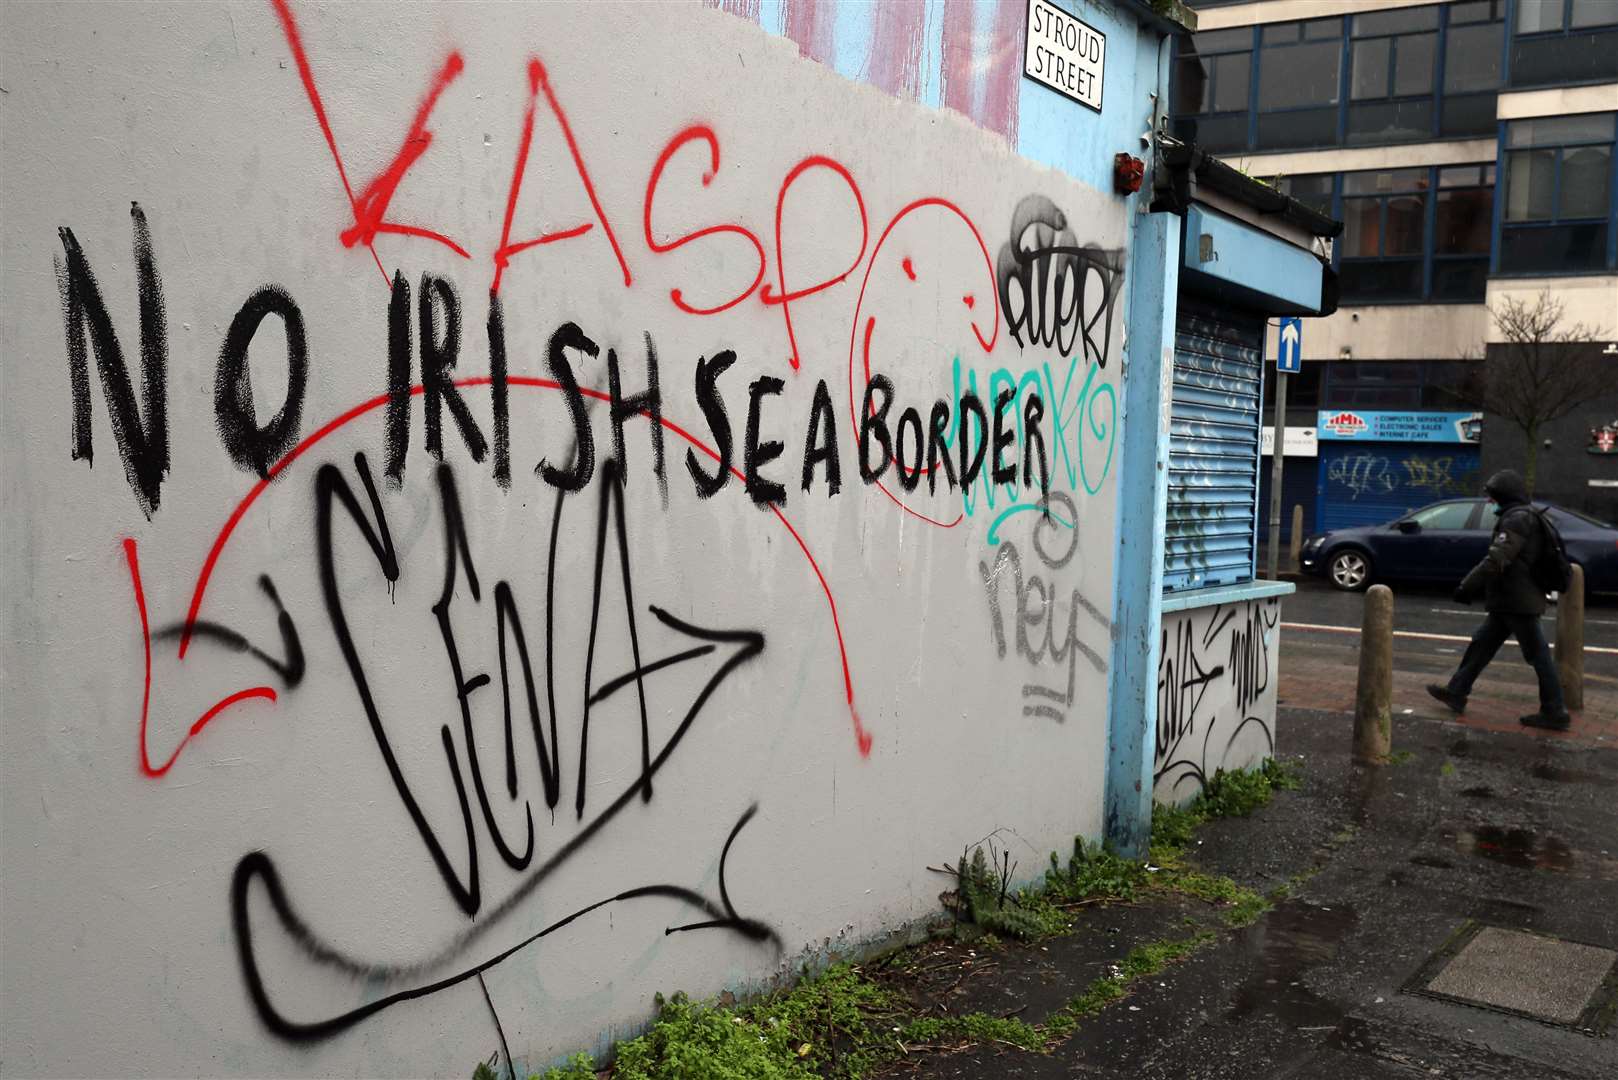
[1320, 657]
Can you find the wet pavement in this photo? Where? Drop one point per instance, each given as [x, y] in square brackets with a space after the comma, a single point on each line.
[1320, 641]
[1385, 868]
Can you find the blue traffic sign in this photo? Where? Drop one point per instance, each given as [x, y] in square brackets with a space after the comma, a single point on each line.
[1289, 355]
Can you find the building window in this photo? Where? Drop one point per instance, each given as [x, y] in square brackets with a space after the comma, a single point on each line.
[1549, 16]
[1463, 215]
[1299, 72]
[1384, 234]
[1558, 194]
[1314, 190]
[1564, 41]
[1391, 75]
[1473, 44]
[1212, 80]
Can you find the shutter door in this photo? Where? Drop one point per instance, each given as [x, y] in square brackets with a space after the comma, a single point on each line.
[1213, 451]
[1372, 483]
[1300, 482]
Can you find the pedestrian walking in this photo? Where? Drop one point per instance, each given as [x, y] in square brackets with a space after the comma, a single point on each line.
[1514, 602]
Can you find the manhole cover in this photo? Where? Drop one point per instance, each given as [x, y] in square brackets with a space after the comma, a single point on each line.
[1532, 975]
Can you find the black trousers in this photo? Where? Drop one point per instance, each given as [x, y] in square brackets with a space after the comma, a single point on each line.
[1530, 638]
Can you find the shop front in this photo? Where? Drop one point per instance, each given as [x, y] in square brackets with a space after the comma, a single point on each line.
[1375, 466]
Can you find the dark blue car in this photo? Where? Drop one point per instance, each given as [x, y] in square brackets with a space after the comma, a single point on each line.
[1441, 542]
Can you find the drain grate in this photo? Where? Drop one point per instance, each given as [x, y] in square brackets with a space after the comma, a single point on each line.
[1557, 982]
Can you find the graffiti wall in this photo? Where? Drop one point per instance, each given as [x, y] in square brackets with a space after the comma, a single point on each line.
[512, 509]
[1216, 687]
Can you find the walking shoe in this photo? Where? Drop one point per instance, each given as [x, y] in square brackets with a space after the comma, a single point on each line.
[1455, 702]
[1549, 723]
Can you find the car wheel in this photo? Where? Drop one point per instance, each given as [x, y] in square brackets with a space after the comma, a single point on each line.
[1350, 570]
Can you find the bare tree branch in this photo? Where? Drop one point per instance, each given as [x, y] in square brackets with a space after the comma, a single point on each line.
[1539, 373]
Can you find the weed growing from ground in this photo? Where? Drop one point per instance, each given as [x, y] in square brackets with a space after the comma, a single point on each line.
[842, 1025]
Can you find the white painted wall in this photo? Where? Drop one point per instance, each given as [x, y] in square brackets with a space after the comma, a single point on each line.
[1588, 299]
[1216, 694]
[121, 956]
[1395, 332]
[1356, 158]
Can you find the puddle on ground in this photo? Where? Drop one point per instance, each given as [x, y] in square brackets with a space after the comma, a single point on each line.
[1531, 850]
[1434, 861]
[1516, 847]
[1286, 943]
[1544, 770]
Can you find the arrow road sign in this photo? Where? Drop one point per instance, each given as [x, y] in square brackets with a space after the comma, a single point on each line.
[1289, 357]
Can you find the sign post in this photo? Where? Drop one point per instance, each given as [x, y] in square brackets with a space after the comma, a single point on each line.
[1288, 358]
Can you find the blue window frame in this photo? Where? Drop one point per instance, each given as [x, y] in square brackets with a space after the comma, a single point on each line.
[1463, 217]
[1474, 36]
[1300, 85]
[1213, 84]
[1404, 74]
[1392, 61]
[1556, 215]
[1564, 41]
[1409, 235]
[1385, 234]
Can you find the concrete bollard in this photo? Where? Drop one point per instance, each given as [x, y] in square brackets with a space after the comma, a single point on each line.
[1297, 538]
[1570, 640]
[1373, 698]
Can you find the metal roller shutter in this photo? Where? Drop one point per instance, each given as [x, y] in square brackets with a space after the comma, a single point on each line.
[1300, 483]
[1213, 451]
[1370, 483]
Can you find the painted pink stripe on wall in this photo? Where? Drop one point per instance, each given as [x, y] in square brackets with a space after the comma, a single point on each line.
[984, 88]
[747, 9]
[810, 23]
[957, 73]
[1003, 79]
[896, 47]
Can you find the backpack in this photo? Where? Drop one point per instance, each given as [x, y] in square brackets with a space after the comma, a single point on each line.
[1551, 571]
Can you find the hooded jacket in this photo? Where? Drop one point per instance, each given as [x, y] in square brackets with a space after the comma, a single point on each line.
[1505, 577]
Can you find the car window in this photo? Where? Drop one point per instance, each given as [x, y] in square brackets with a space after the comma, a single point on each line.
[1449, 515]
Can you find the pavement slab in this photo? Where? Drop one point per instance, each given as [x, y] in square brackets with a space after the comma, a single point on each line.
[1382, 866]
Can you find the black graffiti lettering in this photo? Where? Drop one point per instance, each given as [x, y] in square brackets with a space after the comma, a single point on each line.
[509, 624]
[440, 352]
[252, 446]
[756, 454]
[909, 469]
[330, 485]
[144, 447]
[1033, 410]
[1003, 472]
[569, 336]
[820, 444]
[1249, 664]
[1055, 292]
[258, 866]
[457, 544]
[648, 403]
[290, 669]
[396, 423]
[712, 403]
[499, 391]
[971, 408]
[938, 447]
[612, 499]
[875, 422]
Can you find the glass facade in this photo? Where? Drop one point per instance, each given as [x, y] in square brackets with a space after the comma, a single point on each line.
[1399, 75]
[1557, 209]
[1365, 76]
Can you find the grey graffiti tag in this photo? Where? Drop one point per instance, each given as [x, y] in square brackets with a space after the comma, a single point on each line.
[1052, 646]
